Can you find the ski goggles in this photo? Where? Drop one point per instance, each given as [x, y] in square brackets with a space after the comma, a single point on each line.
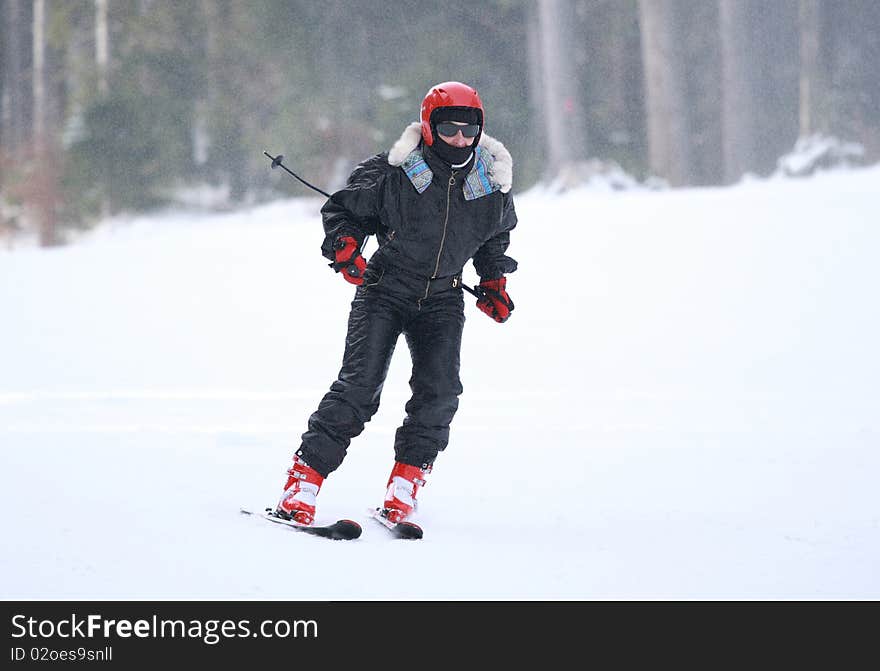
[450, 129]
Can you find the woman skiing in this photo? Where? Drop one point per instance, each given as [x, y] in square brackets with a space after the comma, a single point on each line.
[438, 199]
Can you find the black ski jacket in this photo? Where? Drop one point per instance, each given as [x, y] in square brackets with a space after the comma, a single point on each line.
[429, 218]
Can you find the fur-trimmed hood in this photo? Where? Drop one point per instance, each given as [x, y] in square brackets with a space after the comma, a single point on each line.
[501, 170]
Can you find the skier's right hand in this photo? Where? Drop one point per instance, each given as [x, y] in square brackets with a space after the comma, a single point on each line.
[349, 260]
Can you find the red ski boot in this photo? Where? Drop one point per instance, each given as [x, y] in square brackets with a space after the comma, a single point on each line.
[298, 501]
[403, 486]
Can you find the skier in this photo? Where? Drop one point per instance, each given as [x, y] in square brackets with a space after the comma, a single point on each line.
[439, 198]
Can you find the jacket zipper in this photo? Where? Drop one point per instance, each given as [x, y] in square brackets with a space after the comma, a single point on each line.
[442, 238]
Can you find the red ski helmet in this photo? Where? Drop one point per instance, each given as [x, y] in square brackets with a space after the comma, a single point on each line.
[448, 94]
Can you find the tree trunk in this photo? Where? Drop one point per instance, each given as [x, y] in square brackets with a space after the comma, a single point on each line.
[533, 51]
[565, 130]
[44, 184]
[38, 71]
[102, 45]
[224, 133]
[811, 79]
[16, 95]
[667, 111]
[618, 60]
[102, 65]
[739, 102]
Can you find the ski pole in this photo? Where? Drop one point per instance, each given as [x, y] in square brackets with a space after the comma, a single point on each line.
[277, 163]
[475, 292]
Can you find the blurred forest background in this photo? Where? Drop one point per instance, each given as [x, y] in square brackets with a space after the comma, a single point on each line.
[113, 106]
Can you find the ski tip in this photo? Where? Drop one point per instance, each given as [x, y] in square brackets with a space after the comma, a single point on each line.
[408, 531]
[402, 530]
[350, 529]
[255, 511]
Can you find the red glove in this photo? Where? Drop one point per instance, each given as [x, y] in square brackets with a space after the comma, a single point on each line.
[349, 260]
[495, 301]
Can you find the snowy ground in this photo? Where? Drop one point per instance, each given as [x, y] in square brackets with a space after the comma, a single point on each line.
[684, 405]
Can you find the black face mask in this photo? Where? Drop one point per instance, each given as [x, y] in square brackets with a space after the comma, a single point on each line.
[451, 155]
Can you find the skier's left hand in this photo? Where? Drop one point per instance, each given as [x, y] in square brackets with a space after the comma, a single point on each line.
[495, 301]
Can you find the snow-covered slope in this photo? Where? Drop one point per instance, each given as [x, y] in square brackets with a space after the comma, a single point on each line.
[683, 405]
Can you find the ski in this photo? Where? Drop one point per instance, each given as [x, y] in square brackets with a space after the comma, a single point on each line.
[341, 530]
[403, 530]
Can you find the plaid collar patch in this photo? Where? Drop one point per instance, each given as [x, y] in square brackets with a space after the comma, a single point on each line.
[478, 182]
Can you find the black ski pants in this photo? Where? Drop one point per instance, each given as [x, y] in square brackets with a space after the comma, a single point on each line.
[433, 329]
